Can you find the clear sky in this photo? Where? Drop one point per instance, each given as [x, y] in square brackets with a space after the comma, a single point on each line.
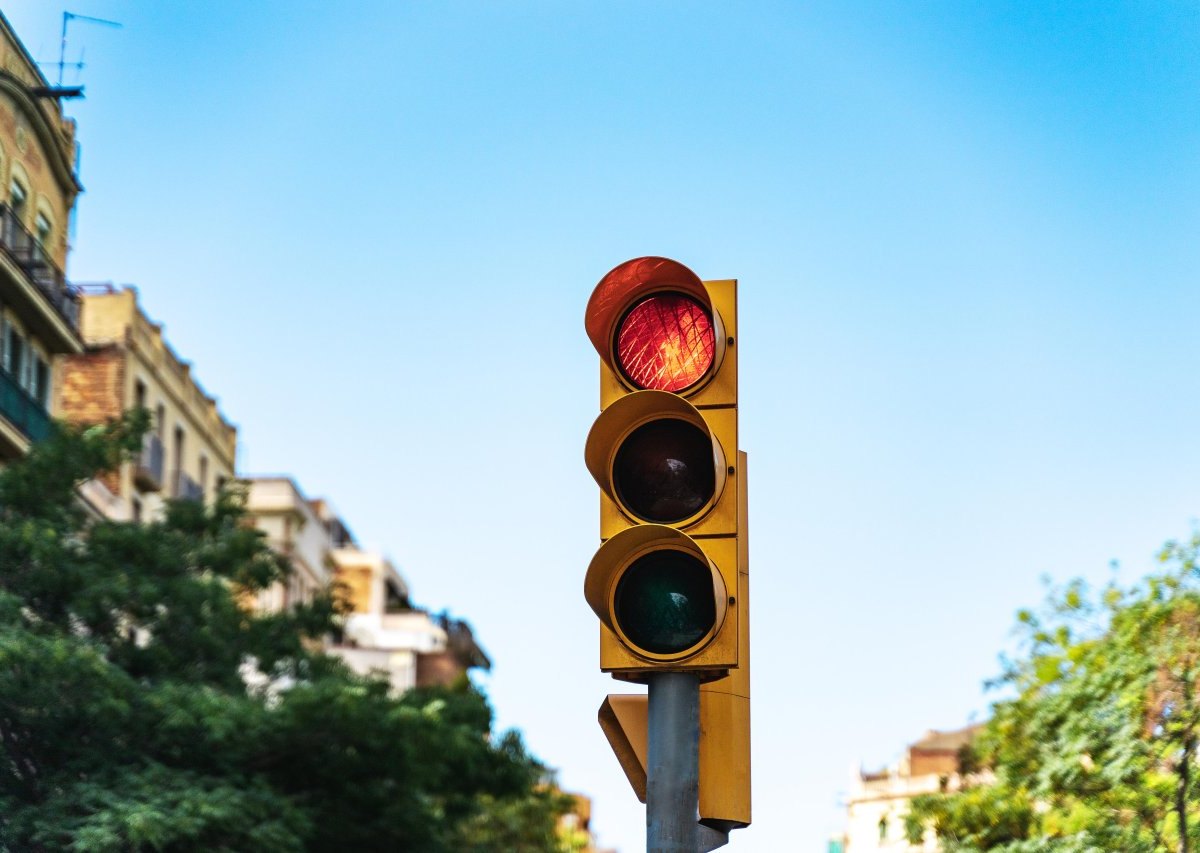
[966, 239]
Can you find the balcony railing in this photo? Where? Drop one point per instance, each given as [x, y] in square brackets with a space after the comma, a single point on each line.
[148, 473]
[29, 254]
[21, 409]
[186, 488]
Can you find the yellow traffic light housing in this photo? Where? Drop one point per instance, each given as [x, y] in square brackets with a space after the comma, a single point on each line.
[664, 453]
[670, 582]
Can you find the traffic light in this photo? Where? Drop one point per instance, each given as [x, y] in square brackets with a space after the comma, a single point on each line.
[670, 580]
[664, 453]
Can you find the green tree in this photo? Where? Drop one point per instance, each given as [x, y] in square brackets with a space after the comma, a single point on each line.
[1096, 748]
[126, 722]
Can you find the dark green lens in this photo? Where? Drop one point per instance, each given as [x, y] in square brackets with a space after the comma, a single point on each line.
[664, 602]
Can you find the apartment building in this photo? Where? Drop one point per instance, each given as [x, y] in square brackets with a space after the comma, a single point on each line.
[878, 800]
[383, 631]
[295, 528]
[127, 363]
[39, 311]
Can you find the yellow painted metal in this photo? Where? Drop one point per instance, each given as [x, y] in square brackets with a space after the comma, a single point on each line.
[721, 388]
[724, 801]
[719, 516]
[724, 751]
[624, 721]
[718, 534]
[725, 710]
[713, 532]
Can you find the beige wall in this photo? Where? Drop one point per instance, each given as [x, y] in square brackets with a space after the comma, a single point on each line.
[884, 797]
[366, 576]
[928, 766]
[125, 351]
[292, 527]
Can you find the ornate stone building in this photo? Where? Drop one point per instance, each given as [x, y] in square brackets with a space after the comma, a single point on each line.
[39, 311]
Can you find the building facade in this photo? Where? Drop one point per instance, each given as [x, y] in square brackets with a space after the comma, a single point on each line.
[294, 527]
[383, 632]
[39, 311]
[878, 800]
[190, 449]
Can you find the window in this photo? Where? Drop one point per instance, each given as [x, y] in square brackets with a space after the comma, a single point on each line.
[18, 199]
[43, 230]
[137, 510]
[139, 394]
[178, 461]
[14, 354]
[203, 476]
[160, 415]
[39, 380]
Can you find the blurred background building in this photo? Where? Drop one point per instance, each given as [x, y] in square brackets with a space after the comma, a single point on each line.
[878, 800]
[127, 363]
[383, 632]
[39, 312]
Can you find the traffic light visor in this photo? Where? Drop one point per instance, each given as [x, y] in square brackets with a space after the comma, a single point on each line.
[652, 322]
[657, 591]
[657, 458]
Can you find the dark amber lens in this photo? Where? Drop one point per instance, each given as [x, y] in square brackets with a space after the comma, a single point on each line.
[664, 471]
[666, 342]
[664, 602]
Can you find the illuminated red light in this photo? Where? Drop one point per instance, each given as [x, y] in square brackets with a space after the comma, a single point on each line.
[666, 342]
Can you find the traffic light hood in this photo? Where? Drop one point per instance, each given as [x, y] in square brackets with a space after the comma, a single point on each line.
[611, 435]
[620, 554]
[627, 284]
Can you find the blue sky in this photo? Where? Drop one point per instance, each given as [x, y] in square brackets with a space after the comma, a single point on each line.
[965, 236]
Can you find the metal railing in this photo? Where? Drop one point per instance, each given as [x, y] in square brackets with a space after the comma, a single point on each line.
[186, 488]
[149, 470]
[22, 409]
[29, 254]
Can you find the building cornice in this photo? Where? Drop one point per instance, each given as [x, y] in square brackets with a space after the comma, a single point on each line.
[50, 138]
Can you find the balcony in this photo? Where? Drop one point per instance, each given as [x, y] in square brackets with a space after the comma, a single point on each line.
[148, 472]
[186, 488]
[20, 408]
[25, 250]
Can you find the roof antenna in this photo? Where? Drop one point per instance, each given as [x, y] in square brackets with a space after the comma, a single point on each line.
[61, 91]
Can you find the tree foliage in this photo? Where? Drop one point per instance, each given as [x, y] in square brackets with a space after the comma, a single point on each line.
[126, 722]
[1096, 748]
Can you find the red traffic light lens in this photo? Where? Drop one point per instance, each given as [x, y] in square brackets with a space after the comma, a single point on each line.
[666, 342]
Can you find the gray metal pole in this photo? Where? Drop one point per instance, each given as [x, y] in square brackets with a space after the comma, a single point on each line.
[710, 839]
[673, 763]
